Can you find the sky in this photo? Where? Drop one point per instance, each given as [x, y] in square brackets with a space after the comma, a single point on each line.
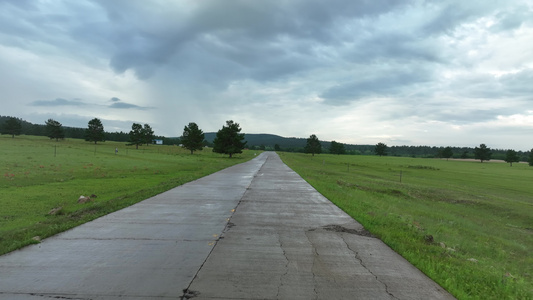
[436, 73]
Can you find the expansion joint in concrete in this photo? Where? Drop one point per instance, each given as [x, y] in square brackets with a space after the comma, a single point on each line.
[187, 293]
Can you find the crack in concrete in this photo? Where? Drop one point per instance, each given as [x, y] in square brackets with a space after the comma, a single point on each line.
[48, 295]
[286, 265]
[356, 255]
[59, 297]
[315, 257]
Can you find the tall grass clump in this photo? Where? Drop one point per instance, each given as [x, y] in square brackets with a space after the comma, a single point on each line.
[467, 225]
[41, 181]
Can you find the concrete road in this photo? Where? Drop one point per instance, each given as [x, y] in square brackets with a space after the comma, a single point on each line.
[253, 231]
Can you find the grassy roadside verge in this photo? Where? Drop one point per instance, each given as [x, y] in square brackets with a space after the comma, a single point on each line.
[467, 225]
[38, 175]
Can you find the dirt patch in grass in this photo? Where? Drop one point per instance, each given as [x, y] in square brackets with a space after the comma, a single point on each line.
[339, 228]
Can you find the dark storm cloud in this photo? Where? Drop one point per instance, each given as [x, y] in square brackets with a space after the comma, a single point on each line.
[237, 39]
[410, 63]
[381, 84]
[57, 102]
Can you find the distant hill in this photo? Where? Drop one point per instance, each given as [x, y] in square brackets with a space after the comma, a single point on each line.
[267, 140]
[291, 144]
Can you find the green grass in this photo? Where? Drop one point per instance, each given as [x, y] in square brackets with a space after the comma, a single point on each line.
[480, 216]
[38, 174]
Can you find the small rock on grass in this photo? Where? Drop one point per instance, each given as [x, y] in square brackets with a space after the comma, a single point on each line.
[83, 199]
[55, 211]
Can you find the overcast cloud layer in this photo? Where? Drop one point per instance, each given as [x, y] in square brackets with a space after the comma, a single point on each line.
[438, 73]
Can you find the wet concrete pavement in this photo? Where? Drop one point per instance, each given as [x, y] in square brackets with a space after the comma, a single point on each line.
[253, 231]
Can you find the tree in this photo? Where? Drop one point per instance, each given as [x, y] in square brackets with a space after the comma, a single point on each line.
[447, 153]
[277, 147]
[313, 145]
[136, 135]
[54, 129]
[12, 126]
[511, 157]
[482, 153]
[530, 161]
[147, 134]
[95, 131]
[380, 149]
[228, 139]
[337, 148]
[192, 138]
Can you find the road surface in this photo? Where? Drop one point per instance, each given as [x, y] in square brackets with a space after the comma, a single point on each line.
[256, 230]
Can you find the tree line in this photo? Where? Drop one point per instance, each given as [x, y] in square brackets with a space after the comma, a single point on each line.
[228, 140]
[143, 134]
[481, 153]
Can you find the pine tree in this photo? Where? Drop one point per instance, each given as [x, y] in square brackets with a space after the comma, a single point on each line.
[380, 149]
[192, 138]
[12, 126]
[54, 129]
[136, 135]
[313, 145]
[228, 139]
[511, 157]
[147, 134]
[482, 153]
[95, 131]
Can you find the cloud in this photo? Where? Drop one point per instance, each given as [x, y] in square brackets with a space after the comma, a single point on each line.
[380, 83]
[411, 70]
[237, 39]
[123, 105]
[58, 102]
[119, 104]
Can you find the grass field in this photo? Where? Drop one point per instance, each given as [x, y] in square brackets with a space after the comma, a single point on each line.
[467, 225]
[38, 175]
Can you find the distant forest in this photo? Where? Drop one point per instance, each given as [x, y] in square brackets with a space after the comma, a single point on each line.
[278, 143]
[79, 133]
[269, 142]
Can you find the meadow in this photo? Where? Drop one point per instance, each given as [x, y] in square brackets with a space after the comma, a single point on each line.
[39, 175]
[467, 225]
